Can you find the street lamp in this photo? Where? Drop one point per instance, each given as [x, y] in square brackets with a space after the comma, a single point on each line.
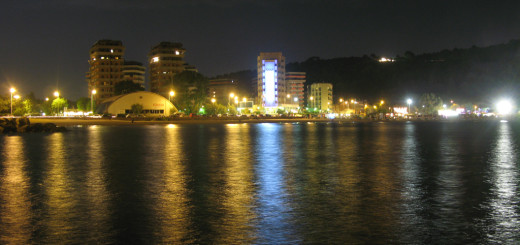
[231, 95]
[92, 100]
[409, 102]
[213, 100]
[12, 90]
[56, 94]
[171, 95]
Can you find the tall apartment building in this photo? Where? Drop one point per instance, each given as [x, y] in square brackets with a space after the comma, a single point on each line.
[166, 59]
[319, 97]
[271, 80]
[295, 83]
[106, 67]
[134, 71]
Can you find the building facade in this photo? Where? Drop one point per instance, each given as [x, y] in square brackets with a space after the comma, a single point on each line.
[319, 97]
[134, 71]
[106, 67]
[271, 85]
[153, 105]
[166, 59]
[295, 84]
[221, 89]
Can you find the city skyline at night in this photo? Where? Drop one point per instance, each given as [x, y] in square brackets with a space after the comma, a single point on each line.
[45, 44]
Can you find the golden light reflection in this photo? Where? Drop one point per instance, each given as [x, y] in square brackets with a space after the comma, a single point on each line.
[96, 185]
[15, 208]
[60, 203]
[172, 201]
[239, 191]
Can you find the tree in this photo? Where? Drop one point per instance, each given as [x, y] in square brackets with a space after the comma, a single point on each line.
[126, 87]
[28, 106]
[137, 109]
[58, 104]
[191, 91]
[429, 104]
[83, 104]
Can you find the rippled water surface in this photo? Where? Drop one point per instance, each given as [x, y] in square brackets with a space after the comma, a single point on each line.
[415, 182]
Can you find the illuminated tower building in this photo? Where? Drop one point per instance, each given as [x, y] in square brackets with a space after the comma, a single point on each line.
[134, 71]
[166, 60]
[295, 82]
[106, 67]
[319, 97]
[271, 80]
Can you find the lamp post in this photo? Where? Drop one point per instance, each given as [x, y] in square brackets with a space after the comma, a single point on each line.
[171, 95]
[12, 90]
[92, 100]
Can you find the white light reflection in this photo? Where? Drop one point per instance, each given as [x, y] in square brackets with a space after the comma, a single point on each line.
[505, 179]
[273, 212]
[411, 190]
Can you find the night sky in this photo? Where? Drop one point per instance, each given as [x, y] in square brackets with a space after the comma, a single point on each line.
[45, 44]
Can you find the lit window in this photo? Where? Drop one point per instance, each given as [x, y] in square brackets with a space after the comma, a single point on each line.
[102, 57]
[155, 59]
[111, 51]
[177, 52]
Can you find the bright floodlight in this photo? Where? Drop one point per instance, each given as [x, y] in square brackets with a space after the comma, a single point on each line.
[504, 107]
[409, 101]
[12, 90]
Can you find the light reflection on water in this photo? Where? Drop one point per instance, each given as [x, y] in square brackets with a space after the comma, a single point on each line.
[263, 183]
[504, 178]
[15, 205]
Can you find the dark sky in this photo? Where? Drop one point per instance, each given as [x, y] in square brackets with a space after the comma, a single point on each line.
[44, 44]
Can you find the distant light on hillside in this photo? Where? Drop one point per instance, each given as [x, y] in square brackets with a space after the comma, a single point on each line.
[383, 59]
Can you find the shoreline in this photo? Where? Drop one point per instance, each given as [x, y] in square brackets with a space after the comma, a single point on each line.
[114, 122]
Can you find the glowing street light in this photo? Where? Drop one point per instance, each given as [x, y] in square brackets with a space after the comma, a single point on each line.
[172, 93]
[409, 102]
[12, 90]
[46, 98]
[231, 96]
[213, 100]
[56, 94]
[92, 100]
[382, 102]
[16, 96]
[504, 107]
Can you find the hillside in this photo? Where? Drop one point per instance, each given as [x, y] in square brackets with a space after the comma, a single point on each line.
[476, 74]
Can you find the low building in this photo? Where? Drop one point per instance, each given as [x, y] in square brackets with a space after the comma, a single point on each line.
[152, 104]
[319, 97]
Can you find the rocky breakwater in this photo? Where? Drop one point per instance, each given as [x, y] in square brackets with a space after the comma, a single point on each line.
[22, 125]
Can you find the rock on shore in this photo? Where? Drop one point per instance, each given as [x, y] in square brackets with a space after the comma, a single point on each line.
[22, 125]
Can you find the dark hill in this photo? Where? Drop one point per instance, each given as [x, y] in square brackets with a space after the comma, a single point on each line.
[476, 74]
